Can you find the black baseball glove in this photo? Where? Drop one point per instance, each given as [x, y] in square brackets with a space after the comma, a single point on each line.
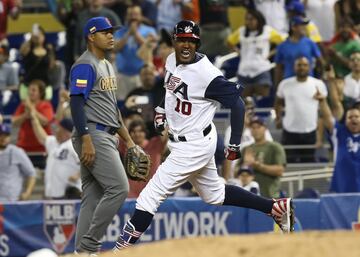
[137, 163]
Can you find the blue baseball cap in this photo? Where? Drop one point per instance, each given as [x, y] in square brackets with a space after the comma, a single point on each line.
[245, 168]
[97, 24]
[258, 120]
[299, 20]
[5, 129]
[296, 6]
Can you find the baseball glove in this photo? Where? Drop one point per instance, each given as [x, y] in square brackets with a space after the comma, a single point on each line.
[137, 163]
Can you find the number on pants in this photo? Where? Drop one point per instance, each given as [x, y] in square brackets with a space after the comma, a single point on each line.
[183, 107]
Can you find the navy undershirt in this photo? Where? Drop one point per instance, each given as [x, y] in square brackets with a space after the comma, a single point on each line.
[77, 103]
[228, 94]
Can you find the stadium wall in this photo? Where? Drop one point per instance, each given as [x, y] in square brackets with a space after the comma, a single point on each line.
[27, 226]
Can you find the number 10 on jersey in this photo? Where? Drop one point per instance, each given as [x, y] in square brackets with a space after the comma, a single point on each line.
[183, 107]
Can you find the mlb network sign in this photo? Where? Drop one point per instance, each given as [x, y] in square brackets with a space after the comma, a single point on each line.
[174, 225]
[59, 224]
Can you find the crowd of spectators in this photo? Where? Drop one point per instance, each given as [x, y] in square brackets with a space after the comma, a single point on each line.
[303, 55]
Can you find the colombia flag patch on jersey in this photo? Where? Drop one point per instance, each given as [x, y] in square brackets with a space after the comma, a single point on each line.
[81, 83]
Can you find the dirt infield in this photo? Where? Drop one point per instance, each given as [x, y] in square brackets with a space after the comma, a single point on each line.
[305, 244]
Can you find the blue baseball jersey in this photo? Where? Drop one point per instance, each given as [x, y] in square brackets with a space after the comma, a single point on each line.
[346, 177]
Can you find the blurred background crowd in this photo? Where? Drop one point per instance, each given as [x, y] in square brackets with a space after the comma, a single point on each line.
[298, 60]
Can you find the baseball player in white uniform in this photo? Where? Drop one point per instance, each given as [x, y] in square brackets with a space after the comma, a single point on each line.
[193, 86]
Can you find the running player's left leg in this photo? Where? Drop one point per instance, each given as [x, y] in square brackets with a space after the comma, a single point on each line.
[212, 190]
[169, 176]
[185, 160]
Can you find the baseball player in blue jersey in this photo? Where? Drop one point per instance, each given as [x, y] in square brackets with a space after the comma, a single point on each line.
[193, 86]
[97, 120]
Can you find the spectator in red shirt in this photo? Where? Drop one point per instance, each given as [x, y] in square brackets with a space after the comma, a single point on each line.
[8, 7]
[154, 146]
[21, 118]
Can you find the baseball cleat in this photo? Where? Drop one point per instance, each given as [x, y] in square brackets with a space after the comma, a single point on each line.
[85, 254]
[283, 214]
[127, 238]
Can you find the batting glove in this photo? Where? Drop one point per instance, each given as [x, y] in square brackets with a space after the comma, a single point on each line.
[159, 120]
[232, 152]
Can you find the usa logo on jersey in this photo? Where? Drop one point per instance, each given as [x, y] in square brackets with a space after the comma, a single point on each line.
[173, 83]
[59, 224]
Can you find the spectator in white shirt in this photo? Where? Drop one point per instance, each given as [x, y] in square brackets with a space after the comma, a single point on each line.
[62, 171]
[322, 13]
[352, 81]
[296, 96]
[275, 13]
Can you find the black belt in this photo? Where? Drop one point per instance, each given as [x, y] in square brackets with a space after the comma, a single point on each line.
[108, 129]
[206, 131]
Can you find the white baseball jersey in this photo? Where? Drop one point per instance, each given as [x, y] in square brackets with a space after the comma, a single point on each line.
[190, 103]
[62, 162]
[187, 109]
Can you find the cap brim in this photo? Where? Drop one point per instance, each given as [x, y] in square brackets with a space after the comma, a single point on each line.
[258, 122]
[187, 35]
[250, 172]
[300, 22]
[117, 27]
[113, 28]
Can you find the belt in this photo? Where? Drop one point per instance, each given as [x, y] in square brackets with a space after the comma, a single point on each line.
[108, 129]
[206, 131]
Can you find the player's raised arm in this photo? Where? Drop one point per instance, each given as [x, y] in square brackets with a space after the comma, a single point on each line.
[228, 94]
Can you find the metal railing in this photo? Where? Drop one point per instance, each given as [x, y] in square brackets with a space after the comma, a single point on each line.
[36, 154]
[29, 6]
[299, 147]
[299, 177]
[293, 179]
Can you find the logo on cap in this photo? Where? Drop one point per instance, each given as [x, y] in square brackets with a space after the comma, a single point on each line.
[92, 29]
[188, 29]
